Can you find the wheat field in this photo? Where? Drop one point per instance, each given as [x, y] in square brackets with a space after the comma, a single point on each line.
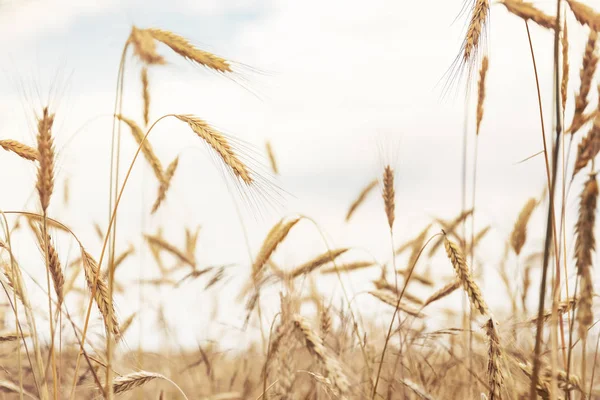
[436, 316]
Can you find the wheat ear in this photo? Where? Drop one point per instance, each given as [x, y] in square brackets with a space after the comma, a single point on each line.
[90, 268]
[165, 184]
[586, 15]
[527, 12]
[144, 46]
[219, 143]
[20, 149]
[360, 198]
[147, 149]
[481, 91]
[184, 48]
[45, 142]
[519, 233]
[464, 274]
[389, 195]
[588, 69]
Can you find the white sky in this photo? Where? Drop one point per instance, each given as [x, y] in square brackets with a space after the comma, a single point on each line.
[334, 85]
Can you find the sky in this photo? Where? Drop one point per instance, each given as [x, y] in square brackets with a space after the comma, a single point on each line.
[340, 88]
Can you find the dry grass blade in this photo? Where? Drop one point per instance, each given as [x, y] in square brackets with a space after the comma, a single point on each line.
[147, 149]
[528, 12]
[272, 159]
[316, 262]
[495, 372]
[588, 148]
[219, 143]
[588, 69]
[519, 233]
[389, 299]
[144, 46]
[360, 199]
[464, 274]
[145, 94]
[389, 195]
[90, 268]
[481, 91]
[168, 247]
[443, 292]
[20, 149]
[585, 15]
[165, 184]
[185, 49]
[276, 235]
[45, 143]
[353, 266]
